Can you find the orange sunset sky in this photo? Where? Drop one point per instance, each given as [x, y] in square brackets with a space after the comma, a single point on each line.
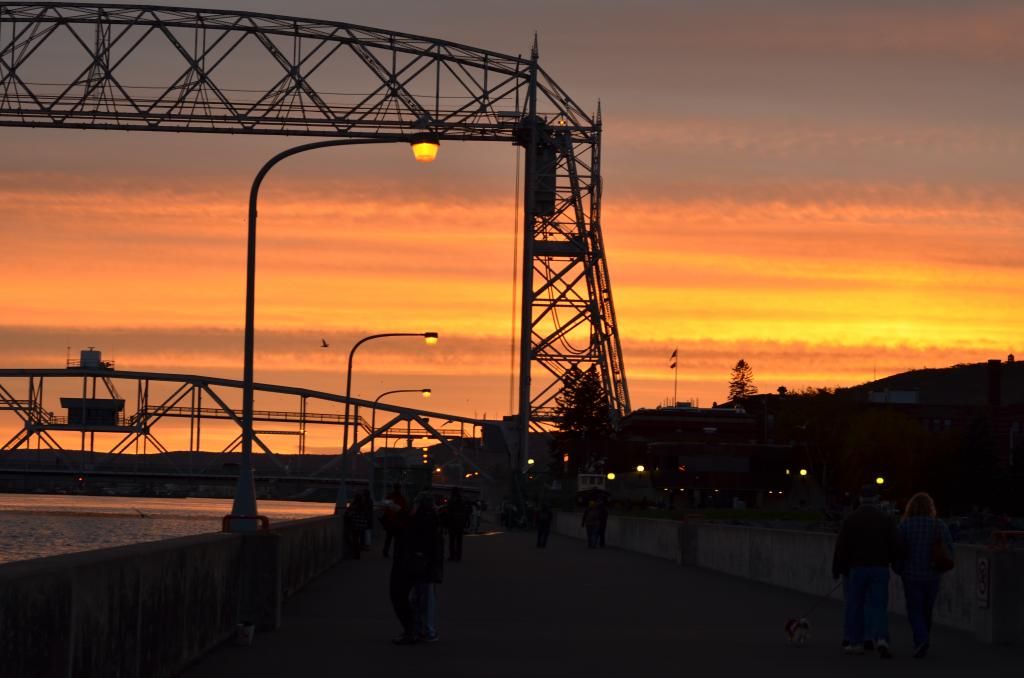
[830, 190]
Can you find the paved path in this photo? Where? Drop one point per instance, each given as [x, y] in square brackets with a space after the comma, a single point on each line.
[510, 609]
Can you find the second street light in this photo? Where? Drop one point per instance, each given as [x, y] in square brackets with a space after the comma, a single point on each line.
[429, 338]
[243, 510]
[425, 392]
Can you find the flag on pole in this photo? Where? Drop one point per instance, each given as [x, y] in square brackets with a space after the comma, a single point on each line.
[673, 359]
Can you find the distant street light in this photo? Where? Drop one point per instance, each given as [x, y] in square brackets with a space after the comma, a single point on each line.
[640, 468]
[430, 338]
[425, 392]
[803, 472]
[243, 509]
[530, 462]
[610, 476]
[879, 480]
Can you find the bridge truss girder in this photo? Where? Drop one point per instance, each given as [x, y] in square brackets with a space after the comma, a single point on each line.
[37, 422]
[170, 69]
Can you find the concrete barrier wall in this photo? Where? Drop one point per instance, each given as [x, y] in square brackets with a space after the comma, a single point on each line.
[984, 594]
[307, 548]
[142, 610]
[151, 609]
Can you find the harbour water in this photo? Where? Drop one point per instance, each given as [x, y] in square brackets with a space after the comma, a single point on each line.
[34, 525]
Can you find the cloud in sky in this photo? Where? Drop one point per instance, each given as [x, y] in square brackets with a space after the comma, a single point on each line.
[828, 190]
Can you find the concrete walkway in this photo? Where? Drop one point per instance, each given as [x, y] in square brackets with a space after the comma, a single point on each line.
[510, 609]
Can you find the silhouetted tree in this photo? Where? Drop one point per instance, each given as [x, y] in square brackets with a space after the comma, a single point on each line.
[741, 384]
[584, 420]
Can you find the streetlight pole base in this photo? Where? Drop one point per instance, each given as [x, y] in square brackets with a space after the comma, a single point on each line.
[243, 510]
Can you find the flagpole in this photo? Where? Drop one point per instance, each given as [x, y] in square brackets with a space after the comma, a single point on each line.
[675, 386]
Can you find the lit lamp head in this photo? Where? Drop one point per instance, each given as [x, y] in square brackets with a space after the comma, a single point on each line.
[430, 338]
[610, 476]
[879, 480]
[803, 472]
[425, 147]
[640, 468]
[530, 462]
[426, 392]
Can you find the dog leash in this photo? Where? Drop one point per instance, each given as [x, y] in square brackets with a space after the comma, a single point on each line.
[822, 599]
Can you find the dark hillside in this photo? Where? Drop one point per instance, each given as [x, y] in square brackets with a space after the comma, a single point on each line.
[959, 384]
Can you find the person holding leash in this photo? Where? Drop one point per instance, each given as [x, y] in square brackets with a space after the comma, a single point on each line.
[867, 546]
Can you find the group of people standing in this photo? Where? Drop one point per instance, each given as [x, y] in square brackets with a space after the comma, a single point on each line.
[871, 544]
[416, 535]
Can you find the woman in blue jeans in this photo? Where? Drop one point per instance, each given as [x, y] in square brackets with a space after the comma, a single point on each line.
[921, 579]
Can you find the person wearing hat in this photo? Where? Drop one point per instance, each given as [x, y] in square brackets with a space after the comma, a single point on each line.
[867, 546]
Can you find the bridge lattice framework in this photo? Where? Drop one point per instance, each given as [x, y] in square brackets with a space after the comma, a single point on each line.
[165, 69]
[185, 395]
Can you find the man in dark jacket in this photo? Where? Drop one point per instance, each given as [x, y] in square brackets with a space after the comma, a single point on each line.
[867, 546]
[402, 580]
[544, 519]
[417, 566]
[395, 503]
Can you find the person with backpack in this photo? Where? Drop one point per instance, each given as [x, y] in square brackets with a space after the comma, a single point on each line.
[928, 554]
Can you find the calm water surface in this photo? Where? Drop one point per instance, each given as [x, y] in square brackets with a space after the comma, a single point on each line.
[37, 525]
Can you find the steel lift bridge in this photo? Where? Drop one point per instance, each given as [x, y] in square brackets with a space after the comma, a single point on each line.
[98, 407]
[166, 69]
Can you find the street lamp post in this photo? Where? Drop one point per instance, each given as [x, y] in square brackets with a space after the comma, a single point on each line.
[430, 338]
[243, 510]
[425, 392]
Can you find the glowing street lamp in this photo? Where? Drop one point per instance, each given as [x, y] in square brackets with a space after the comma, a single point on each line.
[803, 472]
[879, 480]
[430, 338]
[425, 147]
[640, 468]
[610, 476]
[425, 392]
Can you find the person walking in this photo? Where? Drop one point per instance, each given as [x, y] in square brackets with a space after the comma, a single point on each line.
[394, 504]
[416, 567]
[367, 506]
[928, 554]
[602, 512]
[544, 518]
[867, 546]
[402, 578]
[592, 521]
[354, 526]
[428, 570]
[455, 515]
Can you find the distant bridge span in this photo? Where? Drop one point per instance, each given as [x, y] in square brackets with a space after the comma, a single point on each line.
[186, 400]
[142, 68]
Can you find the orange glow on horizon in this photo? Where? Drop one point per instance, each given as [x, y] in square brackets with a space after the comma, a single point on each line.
[811, 293]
